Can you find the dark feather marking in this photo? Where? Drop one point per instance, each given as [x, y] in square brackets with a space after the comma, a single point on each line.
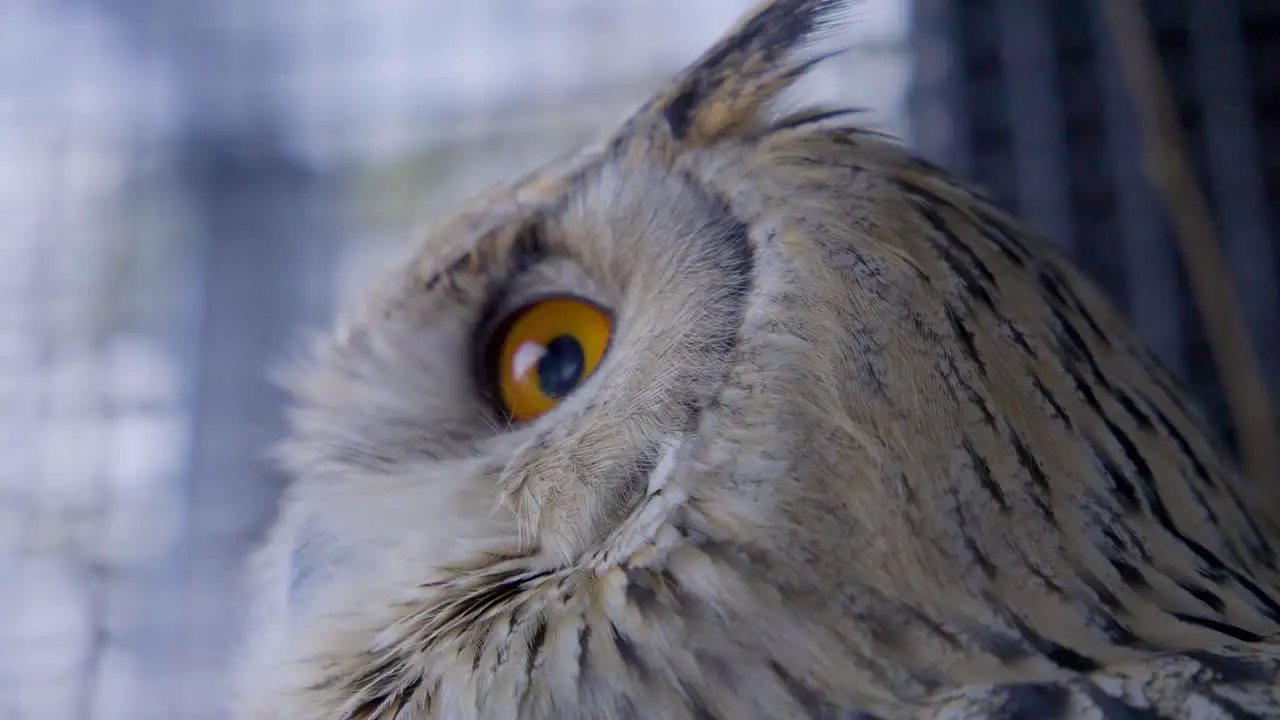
[1051, 401]
[1060, 655]
[1045, 578]
[670, 582]
[1146, 481]
[1268, 605]
[1105, 597]
[983, 471]
[529, 248]
[1007, 243]
[638, 590]
[627, 650]
[536, 644]
[1043, 492]
[1130, 407]
[1006, 648]
[1052, 280]
[908, 491]
[1082, 387]
[380, 707]
[1008, 246]
[1077, 348]
[1231, 547]
[584, 647]
[1211, 516]
[1121, 487]
[965, 336]
[1164, 379]
[1019, 338]
[1213, 567]
[1106, 616]
[975, 397]
[795, 121]
[810, 701]
[503, 649]
[1134, 545]
[1197, 465]
[971, 284]
[988, 568]
[1051, 287]
[766, 36]
[1218, 626]
[848, 135]
[999, 232]
[679, 110]
[1259, 547]
[931, 168]
[953, 247]
[498, 590]
[1117, 632]
[1028, 461]
[1209, 598]
[386, 688]
[698, 705]
[980, 211]
[1128, 573]
[936, 628]
[876, 384]
[963, 248]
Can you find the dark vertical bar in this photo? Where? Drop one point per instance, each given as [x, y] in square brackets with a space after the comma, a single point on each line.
[1150, 257]
[990, 138]
[270, 232]
[937, 100]
[263, 231]
[1235, 176]
[1258, 23]
[1098, 239]
[1035, 118]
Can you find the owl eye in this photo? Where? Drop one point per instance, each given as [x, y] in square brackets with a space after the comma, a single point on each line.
[545, 350]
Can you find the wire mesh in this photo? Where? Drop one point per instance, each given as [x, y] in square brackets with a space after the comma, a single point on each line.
[184, 188]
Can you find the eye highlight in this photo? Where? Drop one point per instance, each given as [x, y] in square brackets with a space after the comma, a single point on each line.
[544, 351]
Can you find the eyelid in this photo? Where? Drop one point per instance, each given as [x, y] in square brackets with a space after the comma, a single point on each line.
[511, 294]
[500, 321]
[535, 282]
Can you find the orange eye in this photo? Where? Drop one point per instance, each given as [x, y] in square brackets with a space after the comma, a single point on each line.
[547, 350]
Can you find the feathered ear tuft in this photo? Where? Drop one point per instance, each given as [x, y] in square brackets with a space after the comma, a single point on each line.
[730, 86]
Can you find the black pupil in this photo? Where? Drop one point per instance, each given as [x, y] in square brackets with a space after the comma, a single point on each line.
[560, 367]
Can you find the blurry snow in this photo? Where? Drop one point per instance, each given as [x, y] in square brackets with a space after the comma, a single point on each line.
[447, 66]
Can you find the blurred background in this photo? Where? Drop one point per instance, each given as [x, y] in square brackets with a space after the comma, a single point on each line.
[186, 186]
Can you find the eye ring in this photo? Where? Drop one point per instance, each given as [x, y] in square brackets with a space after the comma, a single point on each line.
[545, 350]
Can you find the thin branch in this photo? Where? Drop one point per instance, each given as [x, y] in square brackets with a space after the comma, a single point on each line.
[1170, 173]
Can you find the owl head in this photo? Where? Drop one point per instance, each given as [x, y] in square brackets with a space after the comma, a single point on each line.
[513, 389]
[712, 416]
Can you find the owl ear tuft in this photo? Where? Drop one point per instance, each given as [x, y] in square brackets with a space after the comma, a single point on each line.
[730, 86]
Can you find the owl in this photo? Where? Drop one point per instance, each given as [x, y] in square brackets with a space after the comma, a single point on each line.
[747, 412]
